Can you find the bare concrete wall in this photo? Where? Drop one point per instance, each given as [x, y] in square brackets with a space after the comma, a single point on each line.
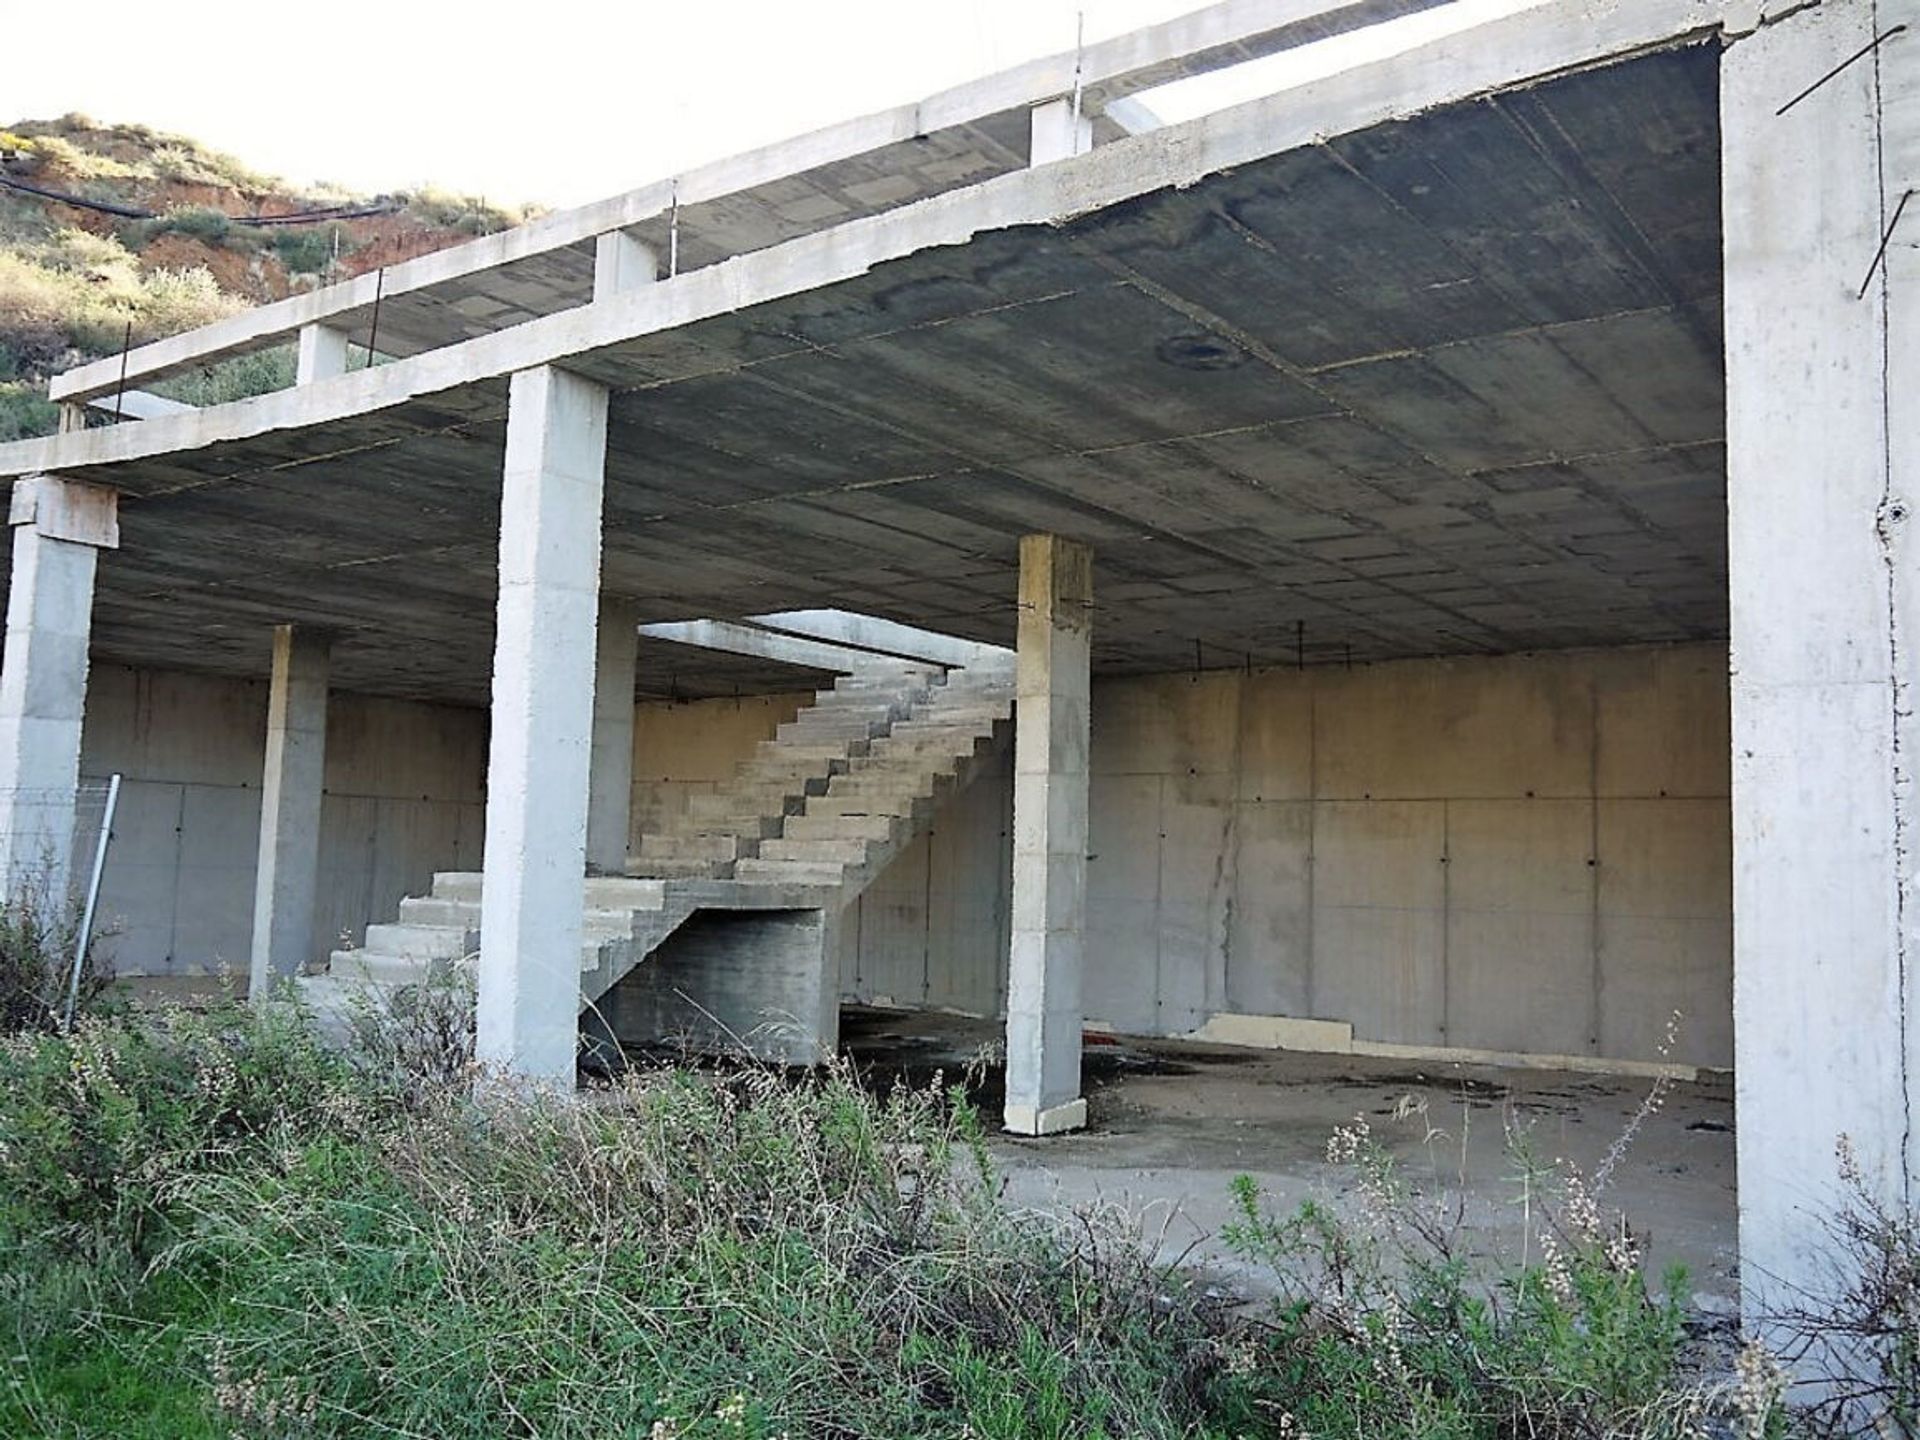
[404, 798]
[691, 747]
[1527, 853]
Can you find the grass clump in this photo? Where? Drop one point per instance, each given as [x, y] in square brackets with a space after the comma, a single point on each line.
[214, 1224]
[1386, 1324]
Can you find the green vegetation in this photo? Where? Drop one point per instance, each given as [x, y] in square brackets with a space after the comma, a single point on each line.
[212, 1224]
[70, 288]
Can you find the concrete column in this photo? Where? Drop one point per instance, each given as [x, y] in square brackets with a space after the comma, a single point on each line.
[59, 528]
[1051, 707]
[1057, 133]
[537, 767]
[621, 262]
[287, 877]
[322, 352]
[610, 793]
[73, 417]
[1823, 476]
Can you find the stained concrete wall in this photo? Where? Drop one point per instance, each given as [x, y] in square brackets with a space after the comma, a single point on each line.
[405, 788]
[1525, 854]
[691, 747]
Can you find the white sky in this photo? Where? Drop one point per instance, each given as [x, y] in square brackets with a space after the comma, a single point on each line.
[555, 101]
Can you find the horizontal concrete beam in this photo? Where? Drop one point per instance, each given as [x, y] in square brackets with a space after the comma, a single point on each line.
[136, 405]
[871, 633]
[1501, 54]
[737, 639]
[1214, 38]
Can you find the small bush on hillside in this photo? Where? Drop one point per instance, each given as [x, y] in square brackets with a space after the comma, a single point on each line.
[25, 411]
[310, 249]
[238, 377]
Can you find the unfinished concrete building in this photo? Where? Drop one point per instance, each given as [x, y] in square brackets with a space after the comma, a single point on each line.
[1275, 576]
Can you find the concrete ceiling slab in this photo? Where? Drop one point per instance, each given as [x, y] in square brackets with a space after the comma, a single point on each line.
[1447, 385]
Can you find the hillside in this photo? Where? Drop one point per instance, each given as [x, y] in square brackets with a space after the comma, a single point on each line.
[103, 228]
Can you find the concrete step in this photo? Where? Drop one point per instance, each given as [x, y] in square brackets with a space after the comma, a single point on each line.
[427, 910]
[790, 872]
[785, 757]
[663, 868]
[890, 807]
[385, 968]
[620, 892]
[428, 942]
[722, 809]
[831, 852]
[841, 827]
[456, 885]
[699, 845]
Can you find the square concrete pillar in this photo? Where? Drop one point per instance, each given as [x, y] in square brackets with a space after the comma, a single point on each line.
[532, 898]
[610, 794]
[1823, 477]
[287, 877]
[1051, 717]
[621, 262]
[322, 352]
[1057, 132]
[59, 528]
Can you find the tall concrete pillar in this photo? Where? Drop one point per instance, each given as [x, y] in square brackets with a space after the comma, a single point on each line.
[537, 766]
[1823, 460]
[59, 528]
[1051, 714]
[287, 877]
[610, 792]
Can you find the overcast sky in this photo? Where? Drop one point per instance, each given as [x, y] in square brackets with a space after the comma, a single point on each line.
[555, 101]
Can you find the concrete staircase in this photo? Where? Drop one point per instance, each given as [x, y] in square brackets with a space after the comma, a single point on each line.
[806, 823]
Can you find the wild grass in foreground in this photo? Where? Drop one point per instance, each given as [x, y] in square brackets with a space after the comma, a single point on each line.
[214, 1225]
[211, 1224]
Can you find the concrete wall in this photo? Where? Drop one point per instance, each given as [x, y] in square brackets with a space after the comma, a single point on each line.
[1527, 854]
[691, 747]
[404, 798]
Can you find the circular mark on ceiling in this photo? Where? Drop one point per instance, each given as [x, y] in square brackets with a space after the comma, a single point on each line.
[1199, 352]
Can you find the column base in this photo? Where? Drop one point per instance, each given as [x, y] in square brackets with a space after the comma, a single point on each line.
[1054, 1120]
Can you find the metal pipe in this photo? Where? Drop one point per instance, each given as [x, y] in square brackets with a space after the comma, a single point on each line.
[93, 900]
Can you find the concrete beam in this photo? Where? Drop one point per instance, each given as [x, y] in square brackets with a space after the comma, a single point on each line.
[610, 770]
[1825, 619]
[59, 528]
[1195, 44]
[1052, 710]
[532, 899]
[736, 639]
[292, 790]
[887, 637]
[1483, 60]
[134, 405]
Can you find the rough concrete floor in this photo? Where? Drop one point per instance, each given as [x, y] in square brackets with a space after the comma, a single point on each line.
[1172, 1123]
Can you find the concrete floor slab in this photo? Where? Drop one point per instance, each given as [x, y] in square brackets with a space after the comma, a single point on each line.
[1172, 1123]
